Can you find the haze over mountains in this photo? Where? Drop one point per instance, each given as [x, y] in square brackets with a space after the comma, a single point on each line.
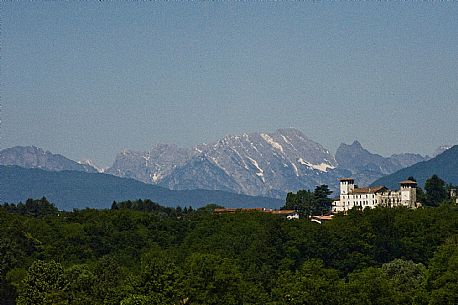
[267, 164]
[78, 190]
[445, 165]
[367, 167]
[34, 157]
[258, 164]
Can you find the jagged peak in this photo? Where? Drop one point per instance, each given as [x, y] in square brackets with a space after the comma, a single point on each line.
[288, 130]
[27, 148]
[129, 152]
[164, 145]
[356, 143]
[32, 149]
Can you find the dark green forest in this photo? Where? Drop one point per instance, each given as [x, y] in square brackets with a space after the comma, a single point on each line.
[139, 252]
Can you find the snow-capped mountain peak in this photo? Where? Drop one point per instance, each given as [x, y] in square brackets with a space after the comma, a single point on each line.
[250, 163]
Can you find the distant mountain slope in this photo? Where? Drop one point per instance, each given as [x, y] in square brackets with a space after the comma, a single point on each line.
[34, 157]
[256, 164]
[444, 165]
[200, 173]
[267, 164]
[367, 167]
[73, 189]
[441, 149]
[151, 166]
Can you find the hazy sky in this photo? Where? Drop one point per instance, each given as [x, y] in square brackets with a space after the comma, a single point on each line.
[87, 79]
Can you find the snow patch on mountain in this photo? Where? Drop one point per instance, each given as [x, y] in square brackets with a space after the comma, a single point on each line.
[295, 169]
[260, 172]
[271, 141]
[155, 177]
[321, 167]
[269, 164]
[91, 164]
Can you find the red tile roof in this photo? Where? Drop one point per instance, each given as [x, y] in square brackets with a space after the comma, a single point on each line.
[283, 212]
[323, 218]
[233, 210]
[408, 182]
[368, 190]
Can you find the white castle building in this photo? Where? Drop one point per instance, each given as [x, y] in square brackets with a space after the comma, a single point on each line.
[353, 196]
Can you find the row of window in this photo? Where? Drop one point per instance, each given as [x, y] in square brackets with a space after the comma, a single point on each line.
[394, 200]
[361, 203]
[358, 196]
[367, 202]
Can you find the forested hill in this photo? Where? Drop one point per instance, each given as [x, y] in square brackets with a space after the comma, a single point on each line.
[444, 165]
[166, 256]
[72, 189]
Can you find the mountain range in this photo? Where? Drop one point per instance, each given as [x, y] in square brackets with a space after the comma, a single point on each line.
[267, 164]
[367, 167]
[34, 157]
[257, 164]
[78, 190]
[444, 165]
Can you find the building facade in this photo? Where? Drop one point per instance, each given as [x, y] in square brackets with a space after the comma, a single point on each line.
[369, 197]
[454, 195]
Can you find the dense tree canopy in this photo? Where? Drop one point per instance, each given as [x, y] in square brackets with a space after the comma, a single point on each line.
[310, 203]
[142, 253]
[435, 191]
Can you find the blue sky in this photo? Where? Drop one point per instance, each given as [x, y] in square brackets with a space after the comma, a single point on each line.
[87, 79]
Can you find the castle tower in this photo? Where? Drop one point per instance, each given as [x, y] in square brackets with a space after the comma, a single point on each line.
[347, 185]
[408, 193]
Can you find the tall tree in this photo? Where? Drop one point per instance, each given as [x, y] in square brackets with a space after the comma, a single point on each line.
[322, 201]
[308, 203]
[303, 202]
[435, 191]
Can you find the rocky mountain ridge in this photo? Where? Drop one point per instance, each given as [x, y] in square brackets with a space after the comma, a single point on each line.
[258, 164]
[445, 165]
[35, 157]
[366, 167]
[267, 164]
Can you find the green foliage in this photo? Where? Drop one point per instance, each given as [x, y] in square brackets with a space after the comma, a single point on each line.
[142, 205]
[443, 276]
[141, 253]
[35, 208]
[210, 207]
[303, 202]
[435, 191]
[397, 282]
[406, 281]
[160, 279]
[81, 284]
[421, 196]
[308, 203]
[322, 202]
[212, 280]
[45, 283]
[313, 283]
